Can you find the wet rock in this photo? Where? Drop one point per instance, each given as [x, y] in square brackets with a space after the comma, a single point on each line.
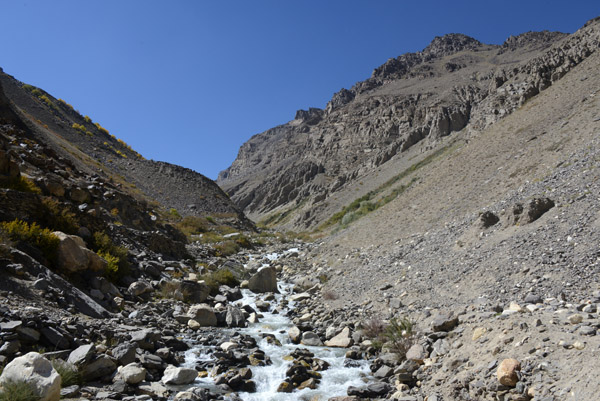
[310, 338]
[295, 334]
[265, 280]
[235, 317]
[36, 370]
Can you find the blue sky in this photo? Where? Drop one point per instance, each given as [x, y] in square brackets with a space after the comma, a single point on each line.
[189, 82]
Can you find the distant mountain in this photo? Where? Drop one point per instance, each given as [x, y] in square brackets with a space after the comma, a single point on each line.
[300, 174]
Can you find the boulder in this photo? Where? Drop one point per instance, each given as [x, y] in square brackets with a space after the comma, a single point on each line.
[139, 288]
[132, 373]
[36, 370]
[124, 353]
[444, 321]
[342, 340]
[265, 280]
[310, 338]
[203, 315]
[235, 317]
[194, 292]
[417, 353]
[507, 372]
[82, 355]
[102, 366]
[175, 375]
[73, 256]
[295, 334]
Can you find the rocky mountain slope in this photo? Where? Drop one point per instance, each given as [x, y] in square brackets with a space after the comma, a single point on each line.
[299, 174]
[93, 150]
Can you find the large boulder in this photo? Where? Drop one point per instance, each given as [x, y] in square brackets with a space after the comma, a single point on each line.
[203, 315]
[507, 372]
[265, 280]
[132, 373]
[235, 317]
[343, 340]
[194, 292]
[175, 375]
[36, 370]
[73, 256]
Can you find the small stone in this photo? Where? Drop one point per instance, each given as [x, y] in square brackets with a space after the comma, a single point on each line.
[507, 372]
[478, 332]
[575, 318]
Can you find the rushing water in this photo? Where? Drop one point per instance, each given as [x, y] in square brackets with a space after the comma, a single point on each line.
[334, 382]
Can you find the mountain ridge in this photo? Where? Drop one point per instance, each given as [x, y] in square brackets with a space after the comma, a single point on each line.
[416, 99]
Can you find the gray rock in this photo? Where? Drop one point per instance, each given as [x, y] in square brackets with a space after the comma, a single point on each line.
[265, 280]
[36, 370]
[100, 367]
[310, 338]
[133, 373]
[444, 321]
[124, 353]
[175, 375]
[82, 355]
[235, 317]
[202, 314]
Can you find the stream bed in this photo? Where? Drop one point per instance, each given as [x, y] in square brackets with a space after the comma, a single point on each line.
[334, 380]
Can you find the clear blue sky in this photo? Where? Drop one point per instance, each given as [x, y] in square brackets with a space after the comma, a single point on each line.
[189, 81]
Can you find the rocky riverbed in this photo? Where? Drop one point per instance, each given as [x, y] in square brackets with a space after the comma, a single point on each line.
[266, 339]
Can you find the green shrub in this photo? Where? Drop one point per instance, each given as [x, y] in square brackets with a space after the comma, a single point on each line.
[227, 248]
[218, 278]
[400, 337]
[173, 290]
[116, 256]
[191, 225]
[59, 218]
[41, 238]
[69, 374]
[18, 391]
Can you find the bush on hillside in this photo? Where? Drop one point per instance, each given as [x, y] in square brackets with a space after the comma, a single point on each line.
[41, 238]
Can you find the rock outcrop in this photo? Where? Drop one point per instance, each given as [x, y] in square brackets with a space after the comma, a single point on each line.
[294, 175]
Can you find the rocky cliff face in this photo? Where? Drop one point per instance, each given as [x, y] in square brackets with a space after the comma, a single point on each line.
[292, 173]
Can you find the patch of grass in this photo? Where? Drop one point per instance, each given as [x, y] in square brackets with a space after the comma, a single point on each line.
[220, 277]
[190, 225]
[116, 256]
[18, 391]
[369, 202]
[41, 238]
[329, 295]
[172, 290]
[69, 374]
[399, 336]
[23, 184]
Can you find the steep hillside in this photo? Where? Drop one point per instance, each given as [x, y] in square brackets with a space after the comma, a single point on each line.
[299, 174]
[92, 149]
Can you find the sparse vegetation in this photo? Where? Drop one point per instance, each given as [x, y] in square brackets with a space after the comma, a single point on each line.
[41, 238]
[116, 256]
[81, 129]
[329, 295]
[397, 335]
[69, 374]
[58, 218]
[23, 184]
[220, 277]
[172, 290]
[18, 391]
